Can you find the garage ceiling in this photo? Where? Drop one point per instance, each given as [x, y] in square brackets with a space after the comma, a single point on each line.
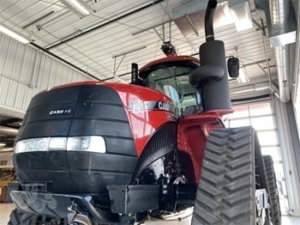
[118, 33]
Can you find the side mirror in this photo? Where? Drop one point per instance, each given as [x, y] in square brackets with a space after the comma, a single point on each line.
[233, 66]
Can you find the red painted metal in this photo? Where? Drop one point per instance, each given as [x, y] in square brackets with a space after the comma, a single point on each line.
[192, 134]
[144, 122]
[88, 82]
[170, 58]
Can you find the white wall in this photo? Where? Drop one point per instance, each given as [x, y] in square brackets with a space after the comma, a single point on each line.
[6, 160]
[24, 71]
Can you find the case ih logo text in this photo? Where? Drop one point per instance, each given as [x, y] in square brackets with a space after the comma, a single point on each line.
[142, 106]
[60, 112]
[165, 106]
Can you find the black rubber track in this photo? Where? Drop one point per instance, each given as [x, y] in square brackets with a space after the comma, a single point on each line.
[226, 191]
[17, 217]
[273, 191]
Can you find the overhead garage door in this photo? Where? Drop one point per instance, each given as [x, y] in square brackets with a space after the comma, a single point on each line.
[262, 117]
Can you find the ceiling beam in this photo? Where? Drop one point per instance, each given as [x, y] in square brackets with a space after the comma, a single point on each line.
[66, 62]
[104, 24]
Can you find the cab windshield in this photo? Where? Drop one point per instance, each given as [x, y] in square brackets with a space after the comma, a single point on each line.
[173, 81]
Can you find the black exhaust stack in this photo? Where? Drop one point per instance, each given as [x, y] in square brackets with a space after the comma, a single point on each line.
[211, 77]
[135, 75]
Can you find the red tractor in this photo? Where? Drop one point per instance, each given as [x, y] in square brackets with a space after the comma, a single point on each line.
[107, 153]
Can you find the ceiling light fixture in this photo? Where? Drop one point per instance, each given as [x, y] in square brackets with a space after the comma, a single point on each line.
[2, 144]
[78, 6]
[241, 15]
[13, 34]
[237, 12]
[243, 77]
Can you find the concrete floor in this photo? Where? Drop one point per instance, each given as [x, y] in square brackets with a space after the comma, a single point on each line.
[5, 210]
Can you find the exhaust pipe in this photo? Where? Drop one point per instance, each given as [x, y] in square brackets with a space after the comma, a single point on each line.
[209, 19]
[211, 77]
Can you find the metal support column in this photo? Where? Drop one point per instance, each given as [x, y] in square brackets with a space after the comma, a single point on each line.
[289, 150]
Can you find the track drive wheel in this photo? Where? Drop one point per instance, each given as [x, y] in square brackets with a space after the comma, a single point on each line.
[18, 217]
[273, 191]
[226, 191]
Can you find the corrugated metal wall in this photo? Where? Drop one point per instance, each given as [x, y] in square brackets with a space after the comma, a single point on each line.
[24, 71]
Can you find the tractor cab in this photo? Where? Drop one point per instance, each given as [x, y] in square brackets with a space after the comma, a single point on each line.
[170, 75]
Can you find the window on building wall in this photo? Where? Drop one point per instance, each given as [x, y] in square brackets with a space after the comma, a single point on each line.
[261, 116]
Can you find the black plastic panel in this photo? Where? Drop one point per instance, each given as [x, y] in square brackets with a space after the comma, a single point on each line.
[57, 181]
[60, 96]
[118, 145]
[134, 198]
[50, 128]
[74, 172]
[99, 110]
[99, 93]
[91, 161]
[50, 113]
[44, 112]
[50, 167]
[82, 127]
[102, 170]
[44, 160]
[97, 181]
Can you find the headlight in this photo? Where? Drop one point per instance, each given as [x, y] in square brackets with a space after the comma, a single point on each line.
[30, 145]
[90, 144]
[58, 143]
[84, 143]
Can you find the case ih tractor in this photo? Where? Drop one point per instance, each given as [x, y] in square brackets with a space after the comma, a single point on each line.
[106, 153]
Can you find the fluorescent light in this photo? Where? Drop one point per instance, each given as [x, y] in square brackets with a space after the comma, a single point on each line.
[13, 34]
[243, 78]
[241, 14]
[78, 6]
[227, 12]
